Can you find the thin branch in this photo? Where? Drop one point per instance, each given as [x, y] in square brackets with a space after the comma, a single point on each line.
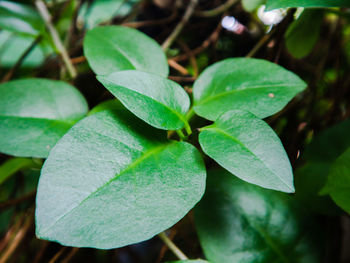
[216, 11]
[188, 13]
[19, 200]
[44, 13]
[177, 252]
[19, 62]
[172, 63]
[57, 255]
[17, 239]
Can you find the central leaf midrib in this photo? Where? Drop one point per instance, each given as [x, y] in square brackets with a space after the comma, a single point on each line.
[266, 238]
[177, 114]
[219, 130]
[120, 52]
[143, 157]
[216, 96]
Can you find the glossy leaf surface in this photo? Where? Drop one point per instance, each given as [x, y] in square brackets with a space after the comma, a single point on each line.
[248, 148]
[123, 48]
[239, 222]
[338, 182]
[258, 86]
[160, 102]
[273, 4]
[35, 113]
[112, 180]
[303, 33]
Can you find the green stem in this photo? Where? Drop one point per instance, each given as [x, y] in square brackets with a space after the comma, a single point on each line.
[181, 134]
[172, 246]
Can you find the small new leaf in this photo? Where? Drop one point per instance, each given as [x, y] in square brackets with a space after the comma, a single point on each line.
[115, 48]
[158, 101]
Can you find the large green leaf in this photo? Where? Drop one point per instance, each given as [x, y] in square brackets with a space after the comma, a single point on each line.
[329, 144]
[258, 86]
[248, 148]
[20, 18]
[338, 183]
[112, 180]
[35, 113]
[239, 222]
[273, 4]
[158, 101]
[123, 48]
[303, 33]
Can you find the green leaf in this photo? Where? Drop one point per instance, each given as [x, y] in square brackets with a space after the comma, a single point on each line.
[12, 166]
[123, 48]
[258, 86]
[239, 222]
[35, 113]
[273, 4]
[338, 183]
[329, 144]
[160, 102]
[99, 11]
[248, 148]
[303, 33]
[20, 18]
[112, 180]
[309, 179]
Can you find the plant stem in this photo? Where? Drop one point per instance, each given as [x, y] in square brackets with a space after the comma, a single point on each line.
[188, 13]
[44, 13]
[177, 252]
[181, 135]
[19, 62]
[216, 11]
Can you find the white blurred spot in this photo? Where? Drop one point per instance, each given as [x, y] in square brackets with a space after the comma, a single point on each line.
[231, 24]
[272, 17]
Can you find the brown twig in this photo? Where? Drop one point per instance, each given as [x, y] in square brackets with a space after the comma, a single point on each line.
[191, 56]
[188, 13]
[57, 255]
[70, 255]
[146, 23]
[182, 79]
[18, 238]
[216, 11]
[16, 201]
[212, 38]
[19, 62]
[172, 63]
[44, 13]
